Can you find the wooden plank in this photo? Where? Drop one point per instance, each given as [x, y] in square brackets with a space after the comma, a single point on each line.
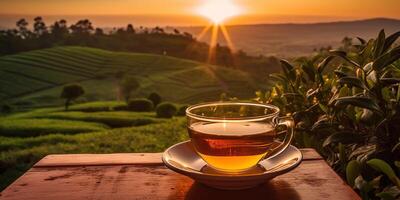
[123, 159]
[63, 160]
[313, 179]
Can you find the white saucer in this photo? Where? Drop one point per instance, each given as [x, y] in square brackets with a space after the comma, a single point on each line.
[183, 159]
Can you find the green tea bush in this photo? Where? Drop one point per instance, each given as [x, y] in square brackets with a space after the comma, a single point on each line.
[155, 98]
[346, 104]
[98, 106]
[36, 127]
[166, 110]
[112, 119]
[120, 107]
[182, 110]
[140, 105]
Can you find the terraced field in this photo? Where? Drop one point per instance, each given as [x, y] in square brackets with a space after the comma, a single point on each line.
[35, 78]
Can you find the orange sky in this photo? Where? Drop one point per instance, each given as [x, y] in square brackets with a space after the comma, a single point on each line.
[255, 11]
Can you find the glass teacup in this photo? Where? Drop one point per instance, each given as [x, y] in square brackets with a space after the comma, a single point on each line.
[235, 136]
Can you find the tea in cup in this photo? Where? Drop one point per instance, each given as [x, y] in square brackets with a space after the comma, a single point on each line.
[235, 136]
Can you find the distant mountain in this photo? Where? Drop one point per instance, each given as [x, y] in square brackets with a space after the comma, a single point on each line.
[289, 40]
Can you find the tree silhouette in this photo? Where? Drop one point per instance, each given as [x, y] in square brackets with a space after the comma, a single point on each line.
[39, 27]
[98, 32]
[127, 86]
[130, 29]
[22, 25]
[82, 27]
[70, 93]
[176, 31]
[157, 30]
[59, 29]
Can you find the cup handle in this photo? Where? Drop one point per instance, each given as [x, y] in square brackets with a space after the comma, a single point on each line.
[289, 123]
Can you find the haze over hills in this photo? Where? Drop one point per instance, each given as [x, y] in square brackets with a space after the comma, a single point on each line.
[289, 40]
[281, 40]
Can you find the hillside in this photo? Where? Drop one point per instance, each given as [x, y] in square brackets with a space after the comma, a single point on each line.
[35, 78]
[290, 40]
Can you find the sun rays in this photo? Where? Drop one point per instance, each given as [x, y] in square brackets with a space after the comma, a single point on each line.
[218, 12]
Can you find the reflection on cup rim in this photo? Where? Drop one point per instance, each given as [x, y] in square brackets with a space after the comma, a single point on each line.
[238, 119]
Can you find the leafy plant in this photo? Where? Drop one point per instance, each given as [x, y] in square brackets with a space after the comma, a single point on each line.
[155, 98]
[140, 105]
[70, 93]
[166, 110]
[346, 105]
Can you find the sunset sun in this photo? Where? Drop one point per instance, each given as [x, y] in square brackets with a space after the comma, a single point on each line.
[219, 11]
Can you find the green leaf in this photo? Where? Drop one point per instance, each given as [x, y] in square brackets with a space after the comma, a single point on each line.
[351, 81]
[387, 59]
[397, 163]
[390, 81]
[379, 44]
[382, 166]
[278, 77]
[389, 193]
[367, 116]
[386, 196]
[323, 122]
[343, 55]
[288, 69]
[367, 51]
[362, 102]
[353, 170]
[390, 40]
[344, 91]
[372, 78]
[368, 67]
[323, 107]
[398, 94]
[362, 41]
[344, 137]
[310, 71]
[339, 74]
[386, 94]
[324, 63]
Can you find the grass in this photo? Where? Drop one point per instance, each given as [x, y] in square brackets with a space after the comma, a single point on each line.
[35, 78]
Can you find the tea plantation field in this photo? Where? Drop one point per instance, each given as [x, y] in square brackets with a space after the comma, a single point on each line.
[87, 128]
[35, 79]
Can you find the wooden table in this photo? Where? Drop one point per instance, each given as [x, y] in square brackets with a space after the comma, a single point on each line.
[143, 176]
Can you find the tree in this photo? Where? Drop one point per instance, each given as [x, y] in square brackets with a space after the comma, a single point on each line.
[98, 32]
[82, 27]
[23, 31]
[157, 30]
[59, 29]
[70, 93]
[130, 29]
[127, 86]
[39, 27]
[177, 32]
[155, 98]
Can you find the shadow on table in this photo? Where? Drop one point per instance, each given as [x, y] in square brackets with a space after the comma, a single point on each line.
[271, 191]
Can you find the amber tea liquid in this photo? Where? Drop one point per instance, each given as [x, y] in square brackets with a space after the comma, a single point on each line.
[232, 146]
